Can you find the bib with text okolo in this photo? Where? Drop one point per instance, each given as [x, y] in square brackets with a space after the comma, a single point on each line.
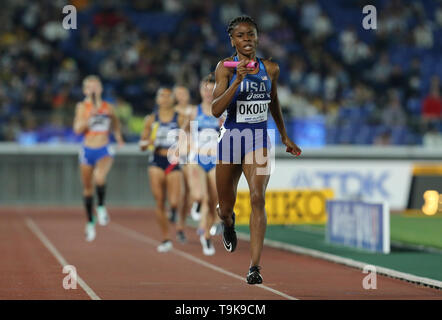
[252, 111]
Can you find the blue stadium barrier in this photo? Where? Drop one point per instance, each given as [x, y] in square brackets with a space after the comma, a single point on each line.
[310, 132]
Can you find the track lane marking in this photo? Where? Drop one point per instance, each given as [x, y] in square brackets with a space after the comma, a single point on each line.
[403, 276]
[53, 250]
[143, 238]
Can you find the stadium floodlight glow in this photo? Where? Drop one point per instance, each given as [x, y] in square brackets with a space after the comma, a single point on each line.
[433, 202]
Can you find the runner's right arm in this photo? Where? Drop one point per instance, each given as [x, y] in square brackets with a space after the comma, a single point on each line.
[145, 134]
[80, 120]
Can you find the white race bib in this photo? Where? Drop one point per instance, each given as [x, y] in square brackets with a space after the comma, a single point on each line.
[99, 123]
[252, 111]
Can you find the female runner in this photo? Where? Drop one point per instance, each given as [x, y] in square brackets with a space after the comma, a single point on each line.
[192, 193]
[247, 94]
[94, 118]
[205, 160]
[165, 176]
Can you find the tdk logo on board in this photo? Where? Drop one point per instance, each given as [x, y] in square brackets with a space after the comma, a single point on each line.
[346, 183]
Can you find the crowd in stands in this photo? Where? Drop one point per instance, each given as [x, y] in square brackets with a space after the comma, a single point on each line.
[366, 86]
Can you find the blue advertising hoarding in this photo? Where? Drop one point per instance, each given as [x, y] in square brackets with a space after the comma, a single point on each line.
[359, 225]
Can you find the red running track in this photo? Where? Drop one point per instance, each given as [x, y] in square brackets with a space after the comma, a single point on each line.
[122, 263]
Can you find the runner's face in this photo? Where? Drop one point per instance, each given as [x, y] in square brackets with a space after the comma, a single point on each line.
[164, 98]
[206, 90]
[182, 95]
[92, 86]
[245, 38]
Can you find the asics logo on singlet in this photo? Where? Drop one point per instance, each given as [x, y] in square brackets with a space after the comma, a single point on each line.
[255, 96]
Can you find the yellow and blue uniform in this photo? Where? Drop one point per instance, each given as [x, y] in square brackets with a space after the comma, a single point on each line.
[165, 138]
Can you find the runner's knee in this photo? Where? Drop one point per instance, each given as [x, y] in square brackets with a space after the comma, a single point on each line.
[100, 180]
[257, 200]
[173, 202]
[88, 188]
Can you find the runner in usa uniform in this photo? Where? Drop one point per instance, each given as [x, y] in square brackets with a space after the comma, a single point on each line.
[205, 146]
[161, 133]
[185, 109]
[94, 118]
[247, 94]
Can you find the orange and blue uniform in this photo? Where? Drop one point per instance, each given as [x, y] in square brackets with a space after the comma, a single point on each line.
[98, 124]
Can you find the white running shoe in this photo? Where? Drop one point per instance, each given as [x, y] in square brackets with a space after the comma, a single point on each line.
[208, 248]
[196, 216]
[165, 246]
[90, 231]
[103, 217]
[216, 229]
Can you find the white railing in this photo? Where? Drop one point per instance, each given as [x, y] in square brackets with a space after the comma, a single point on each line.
[331, 151]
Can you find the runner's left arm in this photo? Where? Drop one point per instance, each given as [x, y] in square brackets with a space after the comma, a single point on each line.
[116, 127]
[275, 110]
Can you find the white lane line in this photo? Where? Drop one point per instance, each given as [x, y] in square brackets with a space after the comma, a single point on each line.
[40, 235]
[141, 237]
[346, 261]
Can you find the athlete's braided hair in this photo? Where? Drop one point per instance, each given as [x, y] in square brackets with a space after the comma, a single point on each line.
[238, 20]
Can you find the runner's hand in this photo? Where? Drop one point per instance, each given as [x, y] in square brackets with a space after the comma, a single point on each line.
[291, 147]
[242, 70]
[120, 142]
[144, 144]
